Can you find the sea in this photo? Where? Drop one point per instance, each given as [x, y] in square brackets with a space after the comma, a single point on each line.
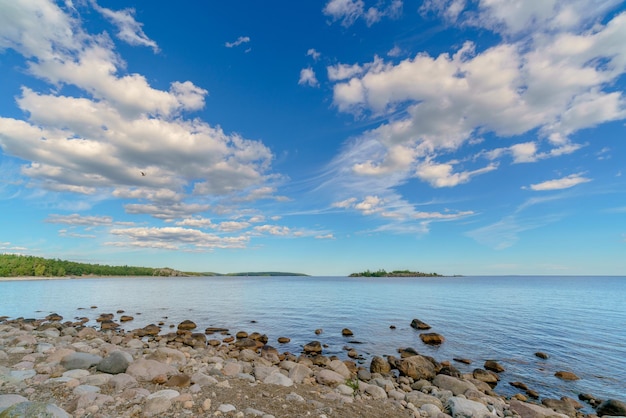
[580, 322]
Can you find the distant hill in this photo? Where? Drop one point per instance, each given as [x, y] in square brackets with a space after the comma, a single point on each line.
[395, 273]
[13, 265]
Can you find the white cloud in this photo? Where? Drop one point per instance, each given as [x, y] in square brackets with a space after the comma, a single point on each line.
[445, 216]
[77, 219]
[273, 230]
[196, 222]
[552, 83]
[307, 77]
[313, 53]
[241, 40]
[129, 30]
[348, 11]
[559, 184]
[174, 238]
[344, 204]
[231, 226]
[370, 205]
[117, 126]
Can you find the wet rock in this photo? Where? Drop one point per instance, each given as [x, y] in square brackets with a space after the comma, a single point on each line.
[108, 324]
[241, 334]
[417, 324]
[54, 317]
[432, 338]
[519, 385]
[463, 360]
[148, 330]
[416, 367]
[213, 330]
[346, 332]
[248, 343]
[563, 375]
[314, 347]
[187, 325]
[486, 376]
[117, 362]
[612, 407]
[318, 331]
[494, 366]
[283, 340]
[541, 355]
[380, 365]
[126, 318]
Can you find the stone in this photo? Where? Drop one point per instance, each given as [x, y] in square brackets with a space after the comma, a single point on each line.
[346, 332]
[380, 365]
[179, 380]
[299, 372]
[486, 376]
[314, 347]
[187, 325]
[453, 384]
[494, 366]
[563, 375]
[278, 378]
[122, 381]
[247, 343]
[465, 408]
[9, 400]
[463, 360]
[283, 340]
[419, 399]
[148, 330]
[241, 334]
[126, 318]
[270, 354]
[213, 330]
[34, 410]
[146, 370]
[541, 355]
[341, 368]
[612, 407]
[54, 317]
[114, 363]
[531, 410]
[432, 338]
[417, 324]
[170, 356]
[519, 385]
[80, 361]
[159, 402]
[329, 378]
[416, 367]
[226, 408]
[375, 392]
[108, 324]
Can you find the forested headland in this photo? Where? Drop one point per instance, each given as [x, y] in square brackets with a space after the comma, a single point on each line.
[13, 265]
[395, 273]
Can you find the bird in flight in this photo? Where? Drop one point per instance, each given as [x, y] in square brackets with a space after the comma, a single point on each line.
[142, 173]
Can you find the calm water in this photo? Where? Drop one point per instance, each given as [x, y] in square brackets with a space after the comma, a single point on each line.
[579, 321]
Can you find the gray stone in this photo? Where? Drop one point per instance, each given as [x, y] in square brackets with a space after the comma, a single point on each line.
[80, 361]
[330, 378]
[122, 381]
[34, 410]
[530, 410]
[226, 407]
[9, 400]
[278, 378]
[456, 386]
[261, 372]
[203, 379]
[84, 389]
[341, 368]
[375, 392]
[465, 408]
[115, 363]
[294, 397]
[416, 367]
[418, 399]
[253, 412]
[146, 370]
[299, 372]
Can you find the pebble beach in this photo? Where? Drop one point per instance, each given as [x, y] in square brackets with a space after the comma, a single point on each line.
[60, 368]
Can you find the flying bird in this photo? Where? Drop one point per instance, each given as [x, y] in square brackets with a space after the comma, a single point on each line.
[142, 173]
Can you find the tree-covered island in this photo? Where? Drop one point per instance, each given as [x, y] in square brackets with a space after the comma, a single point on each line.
[395, 273]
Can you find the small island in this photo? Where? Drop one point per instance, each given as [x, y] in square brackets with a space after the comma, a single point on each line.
[395, 273]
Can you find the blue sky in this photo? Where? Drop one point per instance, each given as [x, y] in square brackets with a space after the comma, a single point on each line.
[323, 137]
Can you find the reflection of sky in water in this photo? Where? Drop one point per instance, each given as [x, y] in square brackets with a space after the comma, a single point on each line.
[575, 320]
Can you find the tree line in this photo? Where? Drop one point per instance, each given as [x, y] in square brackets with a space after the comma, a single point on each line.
[13, 265]
[395, 273]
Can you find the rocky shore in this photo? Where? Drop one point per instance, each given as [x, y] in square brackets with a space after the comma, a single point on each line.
[55, 368]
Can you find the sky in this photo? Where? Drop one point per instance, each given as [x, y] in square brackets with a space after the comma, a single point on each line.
[472, 137]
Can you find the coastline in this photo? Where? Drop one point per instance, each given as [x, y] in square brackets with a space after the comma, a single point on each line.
[84, 371]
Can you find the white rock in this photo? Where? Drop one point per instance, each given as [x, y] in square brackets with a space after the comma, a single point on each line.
[84, 389]
[278, 378]
[330, 378]
[226, 407]
[340, 367]
[344, 389]
[465, 408]
[76, 373]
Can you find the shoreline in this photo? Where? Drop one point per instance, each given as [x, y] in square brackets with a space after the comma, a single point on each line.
[215, 372]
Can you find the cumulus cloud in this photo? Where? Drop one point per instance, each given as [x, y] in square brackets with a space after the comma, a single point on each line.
[559, 184]
[103, 131]
[308, 78]
[77, 219]
[174, 238]
[313, 53]
[554, 83]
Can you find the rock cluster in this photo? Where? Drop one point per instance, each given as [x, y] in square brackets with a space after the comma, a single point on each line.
[65, 369]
